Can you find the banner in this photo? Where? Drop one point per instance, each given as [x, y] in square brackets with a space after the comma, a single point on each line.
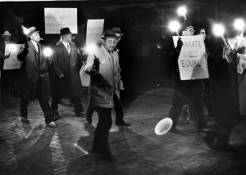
[12, 62]
[94, 30]
[57, 18]
[192, 59]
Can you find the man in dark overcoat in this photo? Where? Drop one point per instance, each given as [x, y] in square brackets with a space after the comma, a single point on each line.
[35, 77]
[65, 78]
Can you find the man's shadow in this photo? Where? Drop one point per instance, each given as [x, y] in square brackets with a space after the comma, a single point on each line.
[122, 150]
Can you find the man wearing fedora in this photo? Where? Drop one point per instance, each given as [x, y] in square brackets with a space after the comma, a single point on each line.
[35, 77]
[118, 84]
[103, 70]
[65, 78]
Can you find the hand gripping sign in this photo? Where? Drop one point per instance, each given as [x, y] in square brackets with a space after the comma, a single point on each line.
[193, 58]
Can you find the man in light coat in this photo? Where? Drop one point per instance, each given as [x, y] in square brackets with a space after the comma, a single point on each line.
[101, 66]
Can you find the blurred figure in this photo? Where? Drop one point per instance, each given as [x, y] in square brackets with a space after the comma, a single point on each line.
[186, 92]
[9, 75]
[206, 92]
[65, 78]
[36, 77]
[101, 66]
[6, 39]
[224, 94]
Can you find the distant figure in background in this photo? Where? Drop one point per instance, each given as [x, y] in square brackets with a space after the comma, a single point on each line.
[35, 77]
[65, 78]
[9, 76]
[6, 36]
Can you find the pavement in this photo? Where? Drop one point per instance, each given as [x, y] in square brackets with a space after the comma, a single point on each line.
[33, 149]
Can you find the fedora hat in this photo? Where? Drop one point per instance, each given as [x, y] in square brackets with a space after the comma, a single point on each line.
[6, 33]
[117, 31]
[65, 31]
[108, 33]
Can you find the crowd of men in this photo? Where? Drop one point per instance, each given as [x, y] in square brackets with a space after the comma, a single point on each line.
[59, 76]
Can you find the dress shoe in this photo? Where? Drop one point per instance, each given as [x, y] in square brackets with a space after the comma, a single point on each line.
[24, 120]
[123, 123]
[51, 124]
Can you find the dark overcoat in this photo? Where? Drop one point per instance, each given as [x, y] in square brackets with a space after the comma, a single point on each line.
[34, 72]
[69, 65]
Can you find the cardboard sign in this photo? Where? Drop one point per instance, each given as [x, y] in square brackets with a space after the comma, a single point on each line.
[94, 30]
[192, 59]
[12, 62]
[57, 18]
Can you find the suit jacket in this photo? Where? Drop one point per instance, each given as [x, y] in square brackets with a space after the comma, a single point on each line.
[69, 65]
[34, 71]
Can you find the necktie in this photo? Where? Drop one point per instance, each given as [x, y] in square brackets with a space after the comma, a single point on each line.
[68, 48]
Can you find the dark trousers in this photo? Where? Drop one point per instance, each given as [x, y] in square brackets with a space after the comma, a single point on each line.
[100, 143]
[117, 106]
[43, 102]
[118, 109]
[75, 100]
[194, 100]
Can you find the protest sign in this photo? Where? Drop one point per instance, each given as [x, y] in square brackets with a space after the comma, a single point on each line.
[12, 62]
[192, 59]
[94, 30]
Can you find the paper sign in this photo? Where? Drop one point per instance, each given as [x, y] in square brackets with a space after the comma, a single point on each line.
[57, 18]
[12, 62]
[192, 59]
[94, 30]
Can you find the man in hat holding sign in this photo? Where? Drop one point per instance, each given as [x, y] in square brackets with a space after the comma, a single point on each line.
[66, 82]
[35, 77]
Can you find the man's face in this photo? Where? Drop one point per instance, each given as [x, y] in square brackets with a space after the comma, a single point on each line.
[67, 37]
[7, 38]
[188, 32]
[110, 43]
[203, 33]
[35, 37]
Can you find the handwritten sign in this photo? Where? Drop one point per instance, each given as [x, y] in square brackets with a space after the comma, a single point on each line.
[94, 30]
[192, 59]
[57, 18]
[12, 62]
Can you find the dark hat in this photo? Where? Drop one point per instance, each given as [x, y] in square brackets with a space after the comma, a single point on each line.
[108, 33]
[65, 31]
[117, 31]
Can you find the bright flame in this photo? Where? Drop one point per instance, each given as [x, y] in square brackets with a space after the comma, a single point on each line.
[218, 29]
[90, 48]
[13, 48]
[174, 26]
[239, 24]
[48, 52]
[182, 11]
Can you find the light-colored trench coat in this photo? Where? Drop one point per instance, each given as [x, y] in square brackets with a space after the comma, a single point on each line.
[109, 81]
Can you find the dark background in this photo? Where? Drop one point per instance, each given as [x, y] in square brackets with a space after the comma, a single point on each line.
[143, 23]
